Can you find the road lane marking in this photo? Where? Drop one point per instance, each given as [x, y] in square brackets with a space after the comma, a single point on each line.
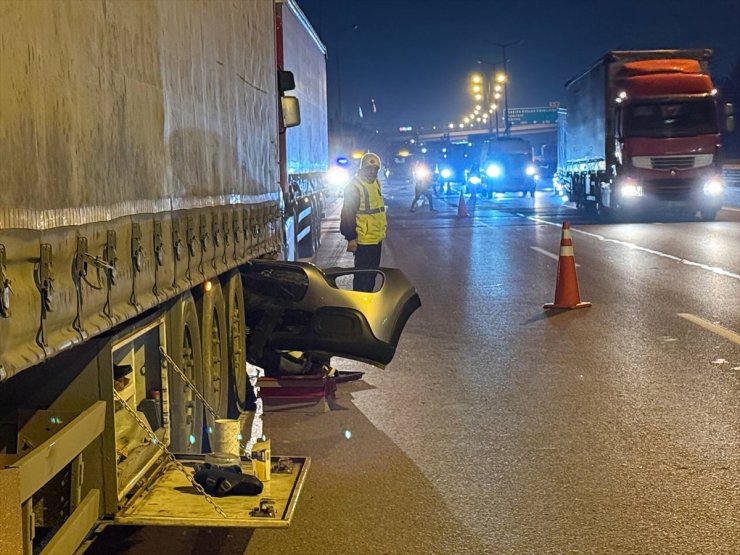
[549, 254]
[713, 269]
[714, 328]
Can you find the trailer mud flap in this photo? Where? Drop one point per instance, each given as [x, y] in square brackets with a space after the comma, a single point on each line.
[171, 500]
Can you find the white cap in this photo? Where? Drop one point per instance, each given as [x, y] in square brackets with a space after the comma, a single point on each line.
[370, 159]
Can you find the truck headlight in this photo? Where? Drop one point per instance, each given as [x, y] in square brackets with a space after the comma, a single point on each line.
[714, 187]
[446, 173]
[631, 190]
[530, 171]
[493, 170]
[474, 180]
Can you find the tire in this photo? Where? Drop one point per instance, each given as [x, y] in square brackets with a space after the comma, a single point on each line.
[524, 194]
[215, 348]
[606, 215]
[236, 315]
[708, 214]
[184, 347]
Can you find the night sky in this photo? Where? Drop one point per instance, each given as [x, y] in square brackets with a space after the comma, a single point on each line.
[414, 56]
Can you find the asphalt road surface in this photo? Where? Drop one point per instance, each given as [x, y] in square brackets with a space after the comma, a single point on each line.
[503, 428]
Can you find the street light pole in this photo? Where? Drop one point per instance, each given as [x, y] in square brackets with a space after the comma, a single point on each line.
[503, 47]
[343, 31]
[491, 93]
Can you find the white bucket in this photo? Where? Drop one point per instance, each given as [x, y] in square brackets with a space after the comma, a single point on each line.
[226, 436]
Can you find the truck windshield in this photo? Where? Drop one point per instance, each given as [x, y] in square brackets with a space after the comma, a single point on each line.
[683, 118]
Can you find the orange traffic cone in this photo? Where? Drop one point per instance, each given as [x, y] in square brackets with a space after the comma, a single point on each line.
[462, 210]
[566, 286]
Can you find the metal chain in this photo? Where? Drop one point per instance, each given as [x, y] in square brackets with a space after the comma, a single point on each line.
[187, 381]
[153, 438]
[198, 394]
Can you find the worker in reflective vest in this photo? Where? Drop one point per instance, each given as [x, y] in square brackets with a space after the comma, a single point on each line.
[363, 220]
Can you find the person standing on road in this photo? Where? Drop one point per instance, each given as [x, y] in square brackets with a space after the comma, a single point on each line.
[363, 220]
[422, 182]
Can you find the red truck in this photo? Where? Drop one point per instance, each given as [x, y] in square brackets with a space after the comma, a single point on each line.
[642, 133]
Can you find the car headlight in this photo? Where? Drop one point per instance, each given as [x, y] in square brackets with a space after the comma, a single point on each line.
[474, 180]
[631, 190]
[421, 172]
[337, 177]
[530, 170]
[714, 187]
[446, 173]
[493, 170]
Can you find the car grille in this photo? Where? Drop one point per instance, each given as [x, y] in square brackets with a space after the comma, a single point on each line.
[676, 163]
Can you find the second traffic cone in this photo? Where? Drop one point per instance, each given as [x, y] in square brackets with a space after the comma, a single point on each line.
[566, 286]
[462, 210]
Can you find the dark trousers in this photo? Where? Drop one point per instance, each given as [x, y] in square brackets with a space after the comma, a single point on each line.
[366, 256]
[423, 193]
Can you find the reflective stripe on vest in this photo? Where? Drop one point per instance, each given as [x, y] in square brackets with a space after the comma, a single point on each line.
[372, 211]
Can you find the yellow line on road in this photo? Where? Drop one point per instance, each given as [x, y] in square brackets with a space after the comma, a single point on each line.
[714, 328]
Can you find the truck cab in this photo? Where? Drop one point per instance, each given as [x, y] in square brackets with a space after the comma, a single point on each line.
[506, 165]
[642, 135]
[668, 134]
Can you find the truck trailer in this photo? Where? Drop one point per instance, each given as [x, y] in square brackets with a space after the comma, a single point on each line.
[641, 132]
[142, 145]
[304, 148]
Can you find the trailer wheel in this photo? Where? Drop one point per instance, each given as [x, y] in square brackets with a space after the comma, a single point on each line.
[215, 337]
[186, 414]
[236, 315]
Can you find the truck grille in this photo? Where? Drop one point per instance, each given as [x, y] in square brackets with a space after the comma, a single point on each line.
[670, 189]
[677, 163]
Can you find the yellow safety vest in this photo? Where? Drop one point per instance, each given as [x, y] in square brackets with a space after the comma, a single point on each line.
[370, 221]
